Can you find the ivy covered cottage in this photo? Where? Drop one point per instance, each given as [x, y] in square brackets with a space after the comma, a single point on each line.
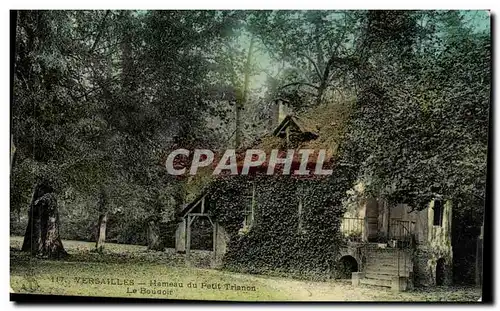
[317, 226]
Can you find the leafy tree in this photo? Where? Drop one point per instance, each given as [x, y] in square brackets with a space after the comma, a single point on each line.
[422, 117]
[316, 45]
[43, 81]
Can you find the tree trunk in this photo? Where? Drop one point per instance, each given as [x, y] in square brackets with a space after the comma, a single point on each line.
[154, 239]
[101, 233]
[101, 225]
[321, 91]
[42, 237]
[12, 151]
[242, 98]
[237, 130]
[319, 51]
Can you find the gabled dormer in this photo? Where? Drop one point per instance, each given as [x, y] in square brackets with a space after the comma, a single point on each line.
[289, 126]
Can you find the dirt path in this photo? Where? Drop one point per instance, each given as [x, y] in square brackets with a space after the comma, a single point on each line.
[324, 291]
[342, 290]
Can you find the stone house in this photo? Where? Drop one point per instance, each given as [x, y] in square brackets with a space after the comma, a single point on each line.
[396, 241]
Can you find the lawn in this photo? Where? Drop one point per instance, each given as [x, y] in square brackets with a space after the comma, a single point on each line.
[132, 271]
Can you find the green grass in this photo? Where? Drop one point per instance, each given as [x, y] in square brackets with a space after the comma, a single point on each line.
[129, 263]
[81, 246]
[71, 274]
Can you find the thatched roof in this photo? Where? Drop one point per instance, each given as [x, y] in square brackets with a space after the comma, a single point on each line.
[291, 119]
[324, 125]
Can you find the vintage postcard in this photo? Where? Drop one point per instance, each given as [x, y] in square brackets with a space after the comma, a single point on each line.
[237, 155]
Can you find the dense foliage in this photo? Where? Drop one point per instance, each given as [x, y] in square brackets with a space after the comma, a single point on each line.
[282, 239]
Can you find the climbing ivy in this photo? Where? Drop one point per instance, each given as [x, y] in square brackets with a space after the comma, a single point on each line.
[275, 243]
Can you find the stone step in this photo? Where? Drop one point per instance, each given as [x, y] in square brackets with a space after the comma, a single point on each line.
[375, 282]
[388, 267]
[387, 252]
[386, 249]
[390, 272]
[386, 255]
[382, 249]
[377, 276]
[394, 264]
[389, 260]
[381, 257]
[381, 266]
[393, 254]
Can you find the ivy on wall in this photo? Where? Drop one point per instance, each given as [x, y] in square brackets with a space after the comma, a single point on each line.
[275, 243]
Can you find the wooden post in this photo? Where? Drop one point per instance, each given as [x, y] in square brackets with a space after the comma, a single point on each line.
[12, 150]
[386, 219]
[365, 231]
[188, 237]
[287, 135]
[430, 221]
[479, 258]
[215, 224]
[180, 237]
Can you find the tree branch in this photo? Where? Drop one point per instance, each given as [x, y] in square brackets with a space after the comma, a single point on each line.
[101, 27]
[318, 72]
[298, 83]
[334, 57]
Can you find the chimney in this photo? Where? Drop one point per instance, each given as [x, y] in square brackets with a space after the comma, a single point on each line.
[281, 110]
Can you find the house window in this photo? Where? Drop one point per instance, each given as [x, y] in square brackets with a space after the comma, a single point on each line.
[438, 213]
[249, 207]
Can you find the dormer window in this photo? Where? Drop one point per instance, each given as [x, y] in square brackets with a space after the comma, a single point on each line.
[438, 213]
[292, 131]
